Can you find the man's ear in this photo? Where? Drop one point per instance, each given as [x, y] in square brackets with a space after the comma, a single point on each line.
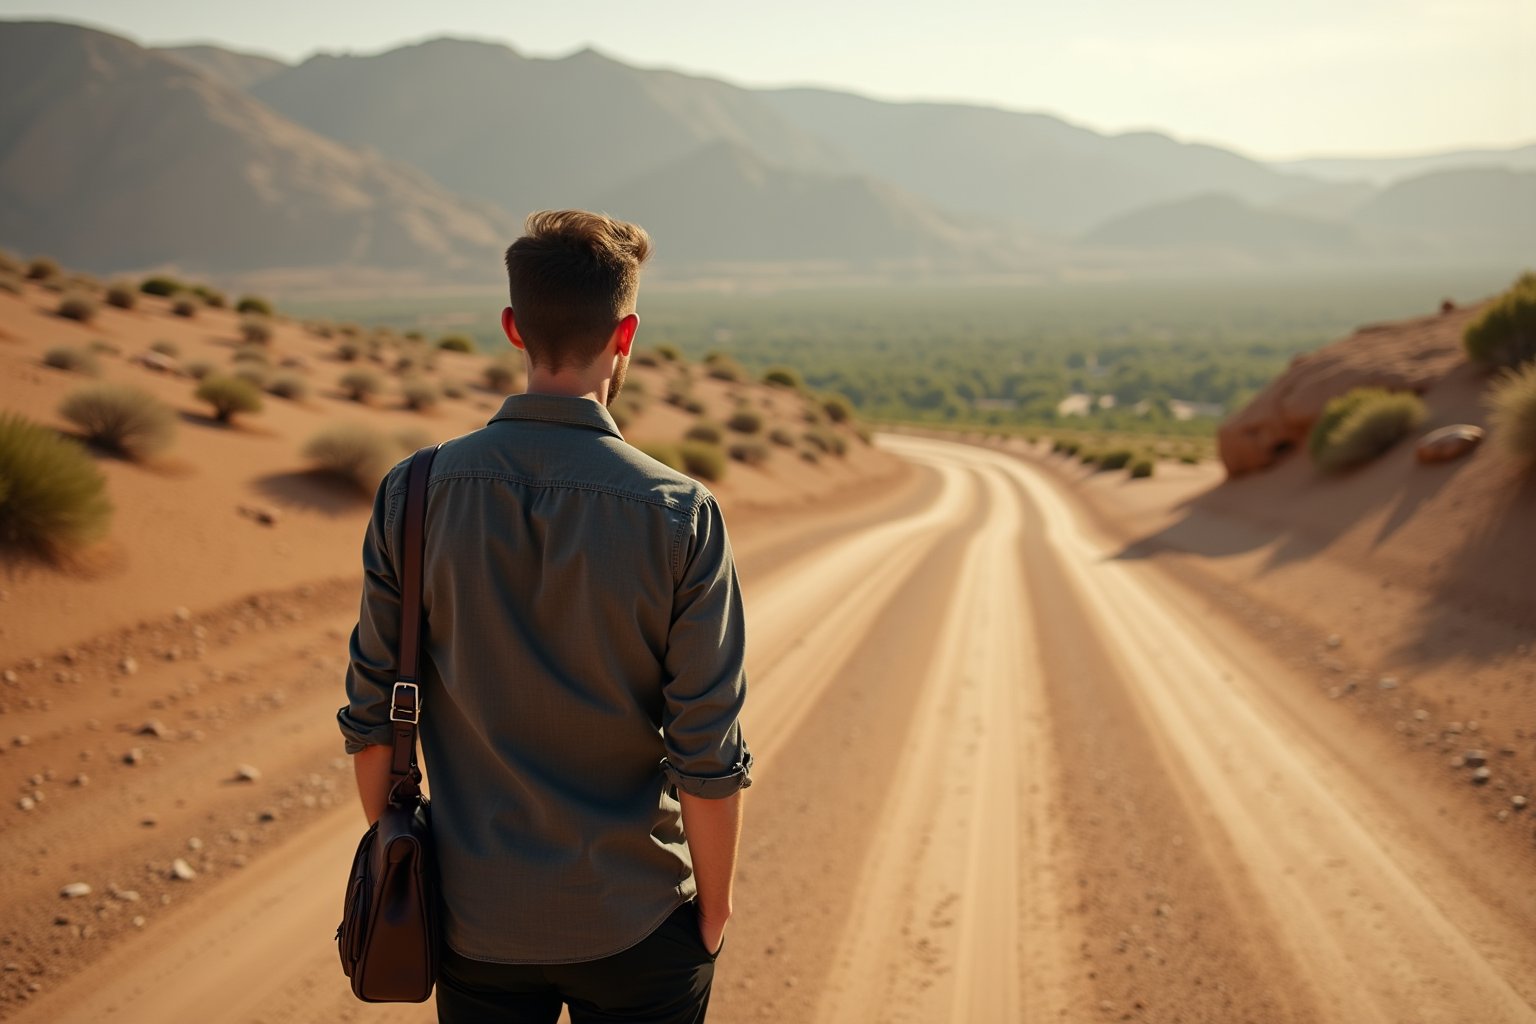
[624, 334]
[509, 328]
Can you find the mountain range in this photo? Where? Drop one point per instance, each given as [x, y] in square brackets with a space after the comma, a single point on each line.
[422, 160]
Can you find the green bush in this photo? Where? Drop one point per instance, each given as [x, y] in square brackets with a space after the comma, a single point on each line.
[670, 353]
[122, 419]
[456, 343]
[251, 354]
[166, 348]
[348, 351]
[122, 296]
[702, 459]
[228, 396]
[78, 306]
[1504, 334]
[828, 441]
[162, 286]
[782, 436]
[784, 377]
[1360, 425]
[745, 421]
[360, 385]
[253, 374]
[212, 297]
[75, 360]
[353, 453]
[837, 408]
[1512, 401]
[751, 452]
[291, 386]
[255, 331]
[52, 496]
[501, 375]
[705, 431]
[811, 455]
[253, 304]
[420, 395]
[197, 369]
[42, 269]
[1141, 468]
[320, 329]
[725, 368]
[186, 307]
[645, 357]
[666, 454]
[1117, 458]
[453, 389]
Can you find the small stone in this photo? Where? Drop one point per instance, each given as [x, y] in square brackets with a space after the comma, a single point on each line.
[126, 895]
[154, 727]
[247, 773]
[1475, 758]
[1387, 683]
[11, 676]
[1420, 715]
[74, 890]
[138, 921]
[194, 843]
[20, 741]
[1453, 728]
[81, 780]
[129, 665]
[267, 815]
[1458, 761]
[1481, 776]
[181, 871]
[26, 803]
[182, 613]
[1334, 640]
[134, 756]
[149, 821]
[1518, 802]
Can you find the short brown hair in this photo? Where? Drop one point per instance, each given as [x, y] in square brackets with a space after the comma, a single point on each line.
[572, 277]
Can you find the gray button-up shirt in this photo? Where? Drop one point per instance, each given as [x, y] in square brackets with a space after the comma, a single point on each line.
[582, 661]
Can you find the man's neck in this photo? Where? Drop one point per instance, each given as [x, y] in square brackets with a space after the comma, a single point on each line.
[567, 386]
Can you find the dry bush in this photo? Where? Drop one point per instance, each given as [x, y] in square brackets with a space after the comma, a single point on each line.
[253, 374]
[703, 460]
[456, 343]
[837, 408]
[228, 396]
[79, 306]
[670, 353]
[751, 452]
[1360, 425]
[166, 348]
[52, 496]
[122, 296]
[784, 376]
[251, 354]
[353, 453]
[253, 304]
[1512, 404]
[705, 431]
[1141, 469]
[161, 285]
[42, 269]
[349, 350]
[291, 386]
[501, 375]
[1117, 458]
[360, 385]
[420, 395]
[1504, 333]
[212, 297]
[197, 369]
[123, 419]
[255, 331]
[186, 307]
[782, 436]
[827, 441]
[453, 390]
[645, 357]
[745, 421]
[723, 367]
[75, 360]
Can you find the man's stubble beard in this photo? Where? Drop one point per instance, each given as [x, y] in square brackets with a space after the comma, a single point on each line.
[617, 383]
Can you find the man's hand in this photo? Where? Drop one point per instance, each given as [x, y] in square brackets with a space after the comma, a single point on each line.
[371, 765]
[712, 931]
[713, 828]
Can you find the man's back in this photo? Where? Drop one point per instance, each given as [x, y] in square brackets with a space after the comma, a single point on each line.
[583, 654]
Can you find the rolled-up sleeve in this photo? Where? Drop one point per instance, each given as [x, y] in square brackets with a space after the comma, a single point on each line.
[373, 665]
[706, 754]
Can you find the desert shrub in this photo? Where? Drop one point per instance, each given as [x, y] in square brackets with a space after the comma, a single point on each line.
[348, 351]
[186, 307]
[78, 306]
[827, 441]
[702, 459]
[166, 348]
[197, 369]
[866, 435]
[1141, 469]
[291, 386]
[411, 361]
[212, 297]
[456, 343]
[813, 415]
[251, 354]
[1358, 426]
[1189, 459]
[254, 374]
[1504, 333]
[722, 367]
[353, 453]
[1070, 448]
[1512, 405]
[228, 396]
[42, 269]
[783, 376]
[664, 453]
[255, 331]
[782, 436]
[1089, 456]
[122, 419]
[751, 452]
[670, 353]
[745, 421]
[361, 384]
[1116, 458]
[160, 285]
[75, 360]
[52, 496]
[706, 431]
[645, 357]
[122, 296]
[837, 408]
[501, 375]
[320, 328]
[420, 395]
[253, 304]
[811, 455]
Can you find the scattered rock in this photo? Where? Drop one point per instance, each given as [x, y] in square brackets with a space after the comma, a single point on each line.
[1481, 776]
[182, 613]
[1448, 442]
[194, 843]
[181, 871]
[11, 676]
[20, 741]
[74, 890]
[1334, 640]
[1518, 802]
[1387, 683]
[267, 815]
[81, 780]
[1475, 758]
[129, 665]
[26, 803]
[153, 727]
[126, 895]
[138, 921]
[134, 756]
[1458, 761]
[149, 821]
[247, 773]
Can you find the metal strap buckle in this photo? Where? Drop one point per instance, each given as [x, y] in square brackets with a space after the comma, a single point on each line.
[411, 711]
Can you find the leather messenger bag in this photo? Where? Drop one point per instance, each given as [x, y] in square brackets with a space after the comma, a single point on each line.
[388, 937]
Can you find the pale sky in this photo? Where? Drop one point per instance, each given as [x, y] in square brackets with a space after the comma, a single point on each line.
[1270, 79]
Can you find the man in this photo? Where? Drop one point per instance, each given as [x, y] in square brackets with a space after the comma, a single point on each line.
[582, 673]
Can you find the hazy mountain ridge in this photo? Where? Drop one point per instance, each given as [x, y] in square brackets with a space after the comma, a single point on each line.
[240, 70]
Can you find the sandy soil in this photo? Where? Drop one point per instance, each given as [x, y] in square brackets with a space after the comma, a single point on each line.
[1004, 775]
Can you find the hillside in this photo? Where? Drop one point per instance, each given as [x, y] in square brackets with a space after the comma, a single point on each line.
[1226, 224]
[239, 70]
[1489, 210]
[116, 157]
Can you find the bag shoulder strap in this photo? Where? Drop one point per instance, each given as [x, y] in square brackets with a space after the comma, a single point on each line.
[405, 701]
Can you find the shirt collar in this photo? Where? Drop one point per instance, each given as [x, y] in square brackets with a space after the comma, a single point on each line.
[579, 412]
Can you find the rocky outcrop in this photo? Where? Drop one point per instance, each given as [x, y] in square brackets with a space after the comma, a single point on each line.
[1448, 443]
[1407, 355]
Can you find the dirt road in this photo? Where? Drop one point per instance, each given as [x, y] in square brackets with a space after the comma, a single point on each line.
[1003, 776]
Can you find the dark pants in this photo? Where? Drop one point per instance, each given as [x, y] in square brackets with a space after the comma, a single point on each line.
[664, 978]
